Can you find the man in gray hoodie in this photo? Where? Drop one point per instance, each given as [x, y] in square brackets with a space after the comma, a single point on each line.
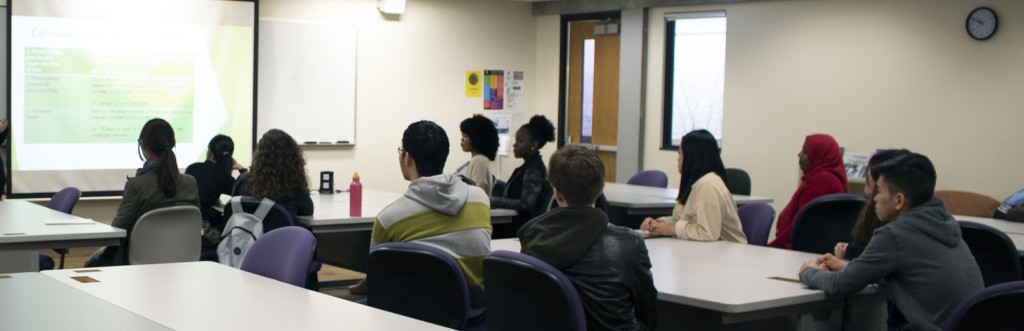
[919, 254]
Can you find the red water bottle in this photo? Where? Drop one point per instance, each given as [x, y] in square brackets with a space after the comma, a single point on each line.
[355, 197]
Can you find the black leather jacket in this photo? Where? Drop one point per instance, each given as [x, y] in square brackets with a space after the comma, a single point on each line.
[527, 191]
[610, 293]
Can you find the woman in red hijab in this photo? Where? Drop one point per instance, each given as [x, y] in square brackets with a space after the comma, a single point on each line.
[824, 173]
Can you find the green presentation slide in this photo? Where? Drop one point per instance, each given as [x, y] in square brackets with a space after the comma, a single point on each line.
[103, 96]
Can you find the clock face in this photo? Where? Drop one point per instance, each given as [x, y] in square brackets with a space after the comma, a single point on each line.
[982, 23]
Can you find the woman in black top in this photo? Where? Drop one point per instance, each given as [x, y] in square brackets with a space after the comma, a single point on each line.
[278, 172]
[214, 176]
[527, 191]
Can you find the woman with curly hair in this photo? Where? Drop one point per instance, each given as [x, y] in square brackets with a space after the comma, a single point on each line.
[278, 172]
[480, 139]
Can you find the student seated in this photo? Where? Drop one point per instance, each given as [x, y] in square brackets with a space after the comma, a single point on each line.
[278, 172]
[439, 210]
[607, 264]
[868, 220]
[704, 208]
[824, 173]
[527, 191]
[919, 254]
[214, 178]
[156, 184]
[480, 139]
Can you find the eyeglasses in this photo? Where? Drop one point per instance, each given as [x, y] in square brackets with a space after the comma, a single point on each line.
[401, 151]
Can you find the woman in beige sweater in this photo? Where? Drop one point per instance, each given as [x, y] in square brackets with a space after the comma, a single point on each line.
[480, 139]
[704, 210]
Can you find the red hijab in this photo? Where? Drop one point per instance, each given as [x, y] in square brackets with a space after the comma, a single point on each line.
[826, 175]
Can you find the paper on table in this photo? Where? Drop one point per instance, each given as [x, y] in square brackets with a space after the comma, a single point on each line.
[69, 221]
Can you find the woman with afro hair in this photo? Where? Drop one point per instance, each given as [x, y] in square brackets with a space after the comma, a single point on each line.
[480, 139]
[527, 191]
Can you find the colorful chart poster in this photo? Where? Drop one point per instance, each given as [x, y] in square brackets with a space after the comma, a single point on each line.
[474, 81]
[494, 81]
[513, 90]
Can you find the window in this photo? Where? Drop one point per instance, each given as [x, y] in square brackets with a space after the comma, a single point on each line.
[694, 75]
[588, 91]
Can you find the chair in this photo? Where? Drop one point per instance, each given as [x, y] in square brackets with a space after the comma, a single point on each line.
[994, 252]
[968, 203]
[994, 308]
[655, 178]
[499, 188]
[166, 235]
[757, 222]
[418, 281]
[738, 181]
[64, 201]
[520, 286]
[277, 218]
[826, 221]
[284, 254]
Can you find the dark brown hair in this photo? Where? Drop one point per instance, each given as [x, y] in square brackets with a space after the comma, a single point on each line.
[158, 137]
[578, 173]
[868, 221]
[278, 168]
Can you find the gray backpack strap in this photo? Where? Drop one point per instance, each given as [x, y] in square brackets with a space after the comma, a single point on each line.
[264, 208]
[236, 205]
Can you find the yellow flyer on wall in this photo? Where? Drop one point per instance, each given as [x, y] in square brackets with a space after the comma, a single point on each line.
[474, 80]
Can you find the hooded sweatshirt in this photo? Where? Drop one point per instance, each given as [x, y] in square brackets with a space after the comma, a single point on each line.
[443, 212]
[825, 175]
[924, 261]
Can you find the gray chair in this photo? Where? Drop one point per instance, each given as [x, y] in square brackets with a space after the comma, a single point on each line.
[166, 235]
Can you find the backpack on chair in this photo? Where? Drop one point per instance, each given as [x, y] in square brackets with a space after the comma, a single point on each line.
[241, 231]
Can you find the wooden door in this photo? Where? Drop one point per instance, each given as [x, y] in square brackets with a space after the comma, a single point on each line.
[593, 83]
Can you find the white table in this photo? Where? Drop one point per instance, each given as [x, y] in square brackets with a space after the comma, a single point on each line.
[23, 234]
[1002, 225]
[730, 282]
[646, 200]
[33, 301]
[211, 296]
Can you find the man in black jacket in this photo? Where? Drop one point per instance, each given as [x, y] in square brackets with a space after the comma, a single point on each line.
[608, 264]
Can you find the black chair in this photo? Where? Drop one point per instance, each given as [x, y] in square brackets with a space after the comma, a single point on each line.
[826, 221]
[994, 252]
[524, 293]
[994, 308]
[738, 181]
[418, 281]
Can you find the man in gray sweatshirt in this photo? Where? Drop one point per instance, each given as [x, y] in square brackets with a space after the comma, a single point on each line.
[919, 254]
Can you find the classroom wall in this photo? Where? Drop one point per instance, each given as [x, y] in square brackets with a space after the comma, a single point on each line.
[873, 74]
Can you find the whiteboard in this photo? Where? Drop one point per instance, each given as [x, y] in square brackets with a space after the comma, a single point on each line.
[307, 80]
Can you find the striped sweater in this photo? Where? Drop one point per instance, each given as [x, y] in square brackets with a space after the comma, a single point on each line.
[443, 212]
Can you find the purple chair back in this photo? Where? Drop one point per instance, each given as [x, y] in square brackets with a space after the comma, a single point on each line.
[65, 200]
[994, 252]
[994, 308]
[525, 293]
[655, 178]
[757, 222]
[417, 281]
[284, 255]
[826, 221]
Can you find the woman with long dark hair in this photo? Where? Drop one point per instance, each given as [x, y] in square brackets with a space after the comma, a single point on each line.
[704, 208]
[156, 184]
[824, 173]
[278, 172]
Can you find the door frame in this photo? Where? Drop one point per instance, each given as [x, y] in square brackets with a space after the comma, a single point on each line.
[563, 65]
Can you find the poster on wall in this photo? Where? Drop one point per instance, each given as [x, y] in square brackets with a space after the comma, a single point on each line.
[493, 91]
[501, 122]
[513, 90]
[473, 83]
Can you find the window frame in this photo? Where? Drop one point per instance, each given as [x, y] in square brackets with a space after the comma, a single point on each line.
[670, 43]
